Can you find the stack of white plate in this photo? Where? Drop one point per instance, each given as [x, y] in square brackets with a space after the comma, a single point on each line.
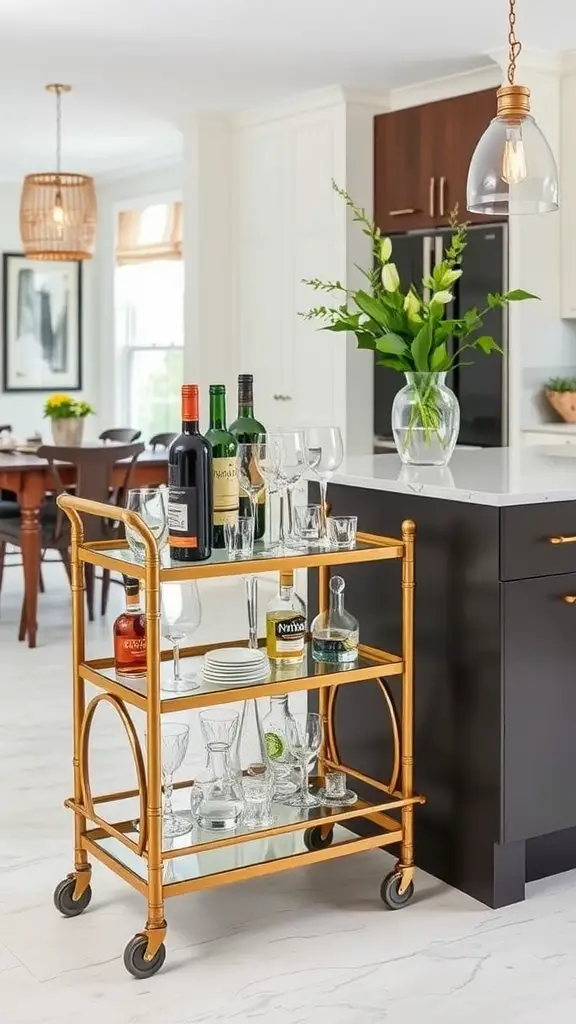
[235, 666]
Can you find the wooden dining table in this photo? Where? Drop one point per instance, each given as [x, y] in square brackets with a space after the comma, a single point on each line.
[30, 478]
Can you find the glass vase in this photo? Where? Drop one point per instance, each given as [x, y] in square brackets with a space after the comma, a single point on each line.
[425, 420]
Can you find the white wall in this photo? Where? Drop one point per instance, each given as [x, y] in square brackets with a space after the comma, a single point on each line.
[24, 411]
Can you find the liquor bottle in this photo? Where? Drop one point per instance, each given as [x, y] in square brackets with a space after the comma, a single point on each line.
[190, 486]
[335, 631]
[245, 429]
[129, 631]
[225, 490]
[286, 624]
[275, 726]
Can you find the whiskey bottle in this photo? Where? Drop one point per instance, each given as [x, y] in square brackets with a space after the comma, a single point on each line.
[130, 635]
[286, 624]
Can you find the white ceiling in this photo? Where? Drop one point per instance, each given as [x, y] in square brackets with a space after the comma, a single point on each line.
[139, 68]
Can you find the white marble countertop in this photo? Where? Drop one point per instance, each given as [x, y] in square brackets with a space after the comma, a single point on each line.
[489, 476]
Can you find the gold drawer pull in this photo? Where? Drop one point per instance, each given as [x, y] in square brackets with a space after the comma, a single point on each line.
[562, 540]
[401, 213]
[569, 599]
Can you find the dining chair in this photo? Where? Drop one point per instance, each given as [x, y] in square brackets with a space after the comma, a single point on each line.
[125, 435]
[94, 467]
[161, 441]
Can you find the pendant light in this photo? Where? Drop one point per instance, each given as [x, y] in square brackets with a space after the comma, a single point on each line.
[512, 168]
[58, 209]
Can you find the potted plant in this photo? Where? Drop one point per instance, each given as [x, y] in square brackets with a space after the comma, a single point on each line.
[67, 416]
[561, 393]
[413, 334]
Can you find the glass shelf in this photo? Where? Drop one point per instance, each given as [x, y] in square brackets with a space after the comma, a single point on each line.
[309, 674]
[121, 559]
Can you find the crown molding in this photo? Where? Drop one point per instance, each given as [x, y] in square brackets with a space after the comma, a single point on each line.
[309, 102]
[486, 76]
[165, 163]
[533, 60]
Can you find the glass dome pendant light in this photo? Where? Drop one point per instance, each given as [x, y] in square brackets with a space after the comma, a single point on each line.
[512, 168]
[58, 212]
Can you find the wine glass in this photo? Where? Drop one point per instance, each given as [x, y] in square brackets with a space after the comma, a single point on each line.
[181, 614]
[268, 454]
[249, 476]
[325, 455]
[293, 463]
[174, 741]
[151, 505]
[304, 735]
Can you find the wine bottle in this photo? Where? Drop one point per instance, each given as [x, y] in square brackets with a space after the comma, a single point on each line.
[225, 491]
[190, 486]
[245, 429]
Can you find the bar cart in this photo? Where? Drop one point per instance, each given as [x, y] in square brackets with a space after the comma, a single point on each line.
[132, 847]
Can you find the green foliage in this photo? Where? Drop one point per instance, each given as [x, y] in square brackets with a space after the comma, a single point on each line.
[561, 384]
[409, 329]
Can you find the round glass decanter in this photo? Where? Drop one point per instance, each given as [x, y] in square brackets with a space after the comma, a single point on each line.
[335, 631]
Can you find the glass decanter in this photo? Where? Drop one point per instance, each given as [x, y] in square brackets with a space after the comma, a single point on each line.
[335, 631]
[248, 746]
[216, 798]
[275, 726]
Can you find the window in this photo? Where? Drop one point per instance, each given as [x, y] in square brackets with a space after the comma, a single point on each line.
[149, 307]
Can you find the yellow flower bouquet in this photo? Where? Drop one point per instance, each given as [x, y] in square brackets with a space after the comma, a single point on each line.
[63, 407]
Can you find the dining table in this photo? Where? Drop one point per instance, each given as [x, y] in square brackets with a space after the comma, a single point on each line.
[29, 478]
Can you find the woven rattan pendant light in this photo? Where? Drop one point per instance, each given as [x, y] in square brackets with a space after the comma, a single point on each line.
[58, 209]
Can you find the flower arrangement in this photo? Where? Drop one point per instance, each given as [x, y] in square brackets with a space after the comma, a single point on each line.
[561, 393]
[410, 329]
[63, 407]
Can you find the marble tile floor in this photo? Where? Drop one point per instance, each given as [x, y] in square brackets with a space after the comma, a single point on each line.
[314, 945]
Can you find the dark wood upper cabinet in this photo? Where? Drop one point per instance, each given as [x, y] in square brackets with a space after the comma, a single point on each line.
[421, 160]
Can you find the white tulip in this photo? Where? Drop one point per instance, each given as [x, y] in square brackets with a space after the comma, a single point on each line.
[444, 297]
[412, 306]
[385, 249]
[450, 276]
[390, 278]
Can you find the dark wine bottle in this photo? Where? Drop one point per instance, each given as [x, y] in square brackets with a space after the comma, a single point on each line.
[225, 492]
[190, 486]
[245, 430]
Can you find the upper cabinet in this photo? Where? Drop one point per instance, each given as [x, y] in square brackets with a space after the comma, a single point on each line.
[421, 159]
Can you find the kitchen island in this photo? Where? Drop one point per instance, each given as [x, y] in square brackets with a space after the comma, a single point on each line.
[495, 745]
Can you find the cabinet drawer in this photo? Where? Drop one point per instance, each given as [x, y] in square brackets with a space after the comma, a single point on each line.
[539, 630]
[525, 548]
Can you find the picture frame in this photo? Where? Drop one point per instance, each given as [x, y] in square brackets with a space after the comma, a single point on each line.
[41, 324]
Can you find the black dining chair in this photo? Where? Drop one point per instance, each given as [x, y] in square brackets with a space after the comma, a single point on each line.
[161, 441]
[8, 504]
[125, 435]
[94, 467]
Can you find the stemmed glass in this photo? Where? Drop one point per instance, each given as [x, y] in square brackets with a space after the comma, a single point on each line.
[181, 614]
[292, 464]
[304, 735]
[248, 472]
[325, 455]
[151, 505]
[175, 736]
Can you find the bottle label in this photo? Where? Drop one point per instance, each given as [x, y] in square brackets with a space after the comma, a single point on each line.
[275, 746]
[288, 636]
[226, 493]
[131, 645]
[182, 517]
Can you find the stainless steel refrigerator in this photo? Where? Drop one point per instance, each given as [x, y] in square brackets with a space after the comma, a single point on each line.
[482, 388]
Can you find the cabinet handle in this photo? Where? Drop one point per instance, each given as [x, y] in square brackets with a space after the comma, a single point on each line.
[282, 398]
[431, 197]
[569, 598]
[401, 213]
[562, 540]
[442, 191]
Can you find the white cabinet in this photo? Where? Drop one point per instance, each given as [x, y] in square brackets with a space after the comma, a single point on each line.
[550, 434]
[568, 196]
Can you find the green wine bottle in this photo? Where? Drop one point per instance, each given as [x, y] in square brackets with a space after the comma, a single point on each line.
[224, 478]
[245, 430]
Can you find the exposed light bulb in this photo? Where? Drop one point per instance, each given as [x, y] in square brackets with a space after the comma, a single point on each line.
[514, 168]
[58, 215]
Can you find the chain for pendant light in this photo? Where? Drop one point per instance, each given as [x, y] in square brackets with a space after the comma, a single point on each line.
[514, 45]
[58, 91]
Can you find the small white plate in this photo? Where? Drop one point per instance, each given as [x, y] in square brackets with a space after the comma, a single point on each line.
[219, 681]
[234, 656]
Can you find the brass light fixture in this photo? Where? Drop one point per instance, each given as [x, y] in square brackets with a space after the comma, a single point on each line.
[58, 209]
[512, 168]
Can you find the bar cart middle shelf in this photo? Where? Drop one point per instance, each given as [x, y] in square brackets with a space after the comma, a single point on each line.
[131, 845]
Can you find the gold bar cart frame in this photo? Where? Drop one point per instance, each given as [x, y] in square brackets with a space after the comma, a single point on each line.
[396, 796]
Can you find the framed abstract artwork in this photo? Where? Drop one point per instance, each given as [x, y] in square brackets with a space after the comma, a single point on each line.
[42, 324]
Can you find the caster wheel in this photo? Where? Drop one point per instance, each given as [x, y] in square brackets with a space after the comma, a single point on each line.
[134, 961]
[64, 902]
[390, 892]
[314, 840]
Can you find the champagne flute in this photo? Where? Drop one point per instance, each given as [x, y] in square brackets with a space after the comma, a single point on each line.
[304, 735]
[151, 505]
[268, 455]
[181, 615]
[249, 476]
[325, 456]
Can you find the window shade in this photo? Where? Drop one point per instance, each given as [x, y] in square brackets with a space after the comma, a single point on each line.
[153, 233]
